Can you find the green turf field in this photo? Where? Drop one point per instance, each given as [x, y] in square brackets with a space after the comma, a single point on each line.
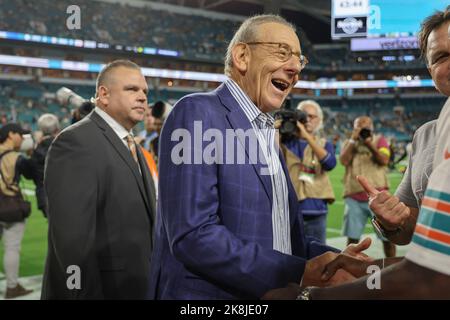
[34, 245]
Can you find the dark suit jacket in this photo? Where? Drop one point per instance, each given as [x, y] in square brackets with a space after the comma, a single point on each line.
[38, 161]
[101, 214]
[214, 227]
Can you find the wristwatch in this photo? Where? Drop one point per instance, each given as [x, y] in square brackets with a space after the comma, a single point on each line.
[305, 294]
[381, 231]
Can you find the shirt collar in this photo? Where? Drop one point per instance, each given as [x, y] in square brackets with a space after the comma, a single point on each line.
[252, 112]
[117, 128]
[267, 120]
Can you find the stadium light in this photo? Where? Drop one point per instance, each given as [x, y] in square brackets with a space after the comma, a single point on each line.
[205, 76]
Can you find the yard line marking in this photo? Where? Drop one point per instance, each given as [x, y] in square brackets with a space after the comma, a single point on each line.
[28, 192]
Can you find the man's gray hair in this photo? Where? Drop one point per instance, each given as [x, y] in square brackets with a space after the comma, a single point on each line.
[301, 106]
[248, 32]
[48, 123]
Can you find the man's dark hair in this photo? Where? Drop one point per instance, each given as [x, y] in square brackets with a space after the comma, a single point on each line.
[103, 75]
[428, 25]
[11, 127]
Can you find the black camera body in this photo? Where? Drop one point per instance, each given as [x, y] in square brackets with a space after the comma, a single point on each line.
[288, 128]
[81, 107]
[161, 110]
[365, 133]
[82, 111]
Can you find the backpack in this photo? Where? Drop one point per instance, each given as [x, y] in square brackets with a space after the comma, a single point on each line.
[12, 208]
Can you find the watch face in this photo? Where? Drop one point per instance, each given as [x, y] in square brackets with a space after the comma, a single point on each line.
[305, 294]
[377, 228]
[383, 233]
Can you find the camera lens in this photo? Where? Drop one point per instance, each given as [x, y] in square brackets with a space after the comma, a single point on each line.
[365, 133]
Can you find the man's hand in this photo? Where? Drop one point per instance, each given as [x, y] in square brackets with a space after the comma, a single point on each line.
[355, 133]
[320, 271]
[288, 293]
[277, 123]
[389, 210]
[38, 136]
[315, 267]
[368, 141]
[303, 133]
[354, 266]
[356, 250]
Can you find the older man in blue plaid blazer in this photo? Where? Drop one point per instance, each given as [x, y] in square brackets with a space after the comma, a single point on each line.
[227, 225]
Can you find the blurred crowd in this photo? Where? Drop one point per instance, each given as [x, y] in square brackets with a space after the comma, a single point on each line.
[193, 36]
[25, 102]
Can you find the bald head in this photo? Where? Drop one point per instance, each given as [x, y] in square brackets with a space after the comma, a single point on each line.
[363, 122]
[250, 30]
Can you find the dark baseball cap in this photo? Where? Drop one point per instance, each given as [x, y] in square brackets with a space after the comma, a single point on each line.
[11, 127]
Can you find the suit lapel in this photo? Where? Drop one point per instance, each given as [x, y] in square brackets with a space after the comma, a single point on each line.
[123, 152]
[238, 120]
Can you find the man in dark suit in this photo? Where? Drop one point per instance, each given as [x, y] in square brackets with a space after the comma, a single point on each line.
[227, 226]
[48, 124]
[101, 197]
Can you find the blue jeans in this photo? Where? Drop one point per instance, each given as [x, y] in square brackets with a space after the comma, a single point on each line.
[316, 227]
[356, 214]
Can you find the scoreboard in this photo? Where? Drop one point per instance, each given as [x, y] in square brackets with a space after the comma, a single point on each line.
[349, 18]
[381, 18]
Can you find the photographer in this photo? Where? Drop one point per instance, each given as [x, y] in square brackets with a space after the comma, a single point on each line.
[82, 107]
[82, 111]
[364, 154]
[153, 121]
[48, 124]
[148, 140]
[12, 166]
[309, 157]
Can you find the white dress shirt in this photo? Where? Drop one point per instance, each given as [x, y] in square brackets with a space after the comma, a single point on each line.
[121, 132]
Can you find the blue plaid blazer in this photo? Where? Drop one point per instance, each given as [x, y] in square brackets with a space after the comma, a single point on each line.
[213, 237]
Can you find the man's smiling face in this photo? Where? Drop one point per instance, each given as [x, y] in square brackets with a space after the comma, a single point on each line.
[270, 78]
[438, 58]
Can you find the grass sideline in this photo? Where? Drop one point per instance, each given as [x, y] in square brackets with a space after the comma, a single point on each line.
[34, 244]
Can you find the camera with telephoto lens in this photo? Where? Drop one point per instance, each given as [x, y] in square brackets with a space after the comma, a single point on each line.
[289, 118]
[82, 107]
[365, 133]
[27, 143]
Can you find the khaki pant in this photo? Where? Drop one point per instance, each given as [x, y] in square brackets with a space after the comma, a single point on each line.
[12, 240]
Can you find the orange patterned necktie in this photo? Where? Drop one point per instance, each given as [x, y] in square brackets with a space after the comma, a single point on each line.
[132, 147]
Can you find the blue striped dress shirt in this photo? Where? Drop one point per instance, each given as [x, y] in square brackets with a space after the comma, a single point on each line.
[262, 123]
